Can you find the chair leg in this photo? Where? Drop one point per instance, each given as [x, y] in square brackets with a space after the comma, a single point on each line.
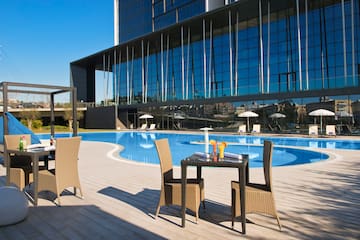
[58, 199]
[278, 221]
[275, 213]
[196, 216]
[46, 163]
[161, 201]
[157, 210]
[81, 193]
[233, 201]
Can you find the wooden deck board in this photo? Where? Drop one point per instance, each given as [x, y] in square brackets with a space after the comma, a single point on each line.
[318, 200]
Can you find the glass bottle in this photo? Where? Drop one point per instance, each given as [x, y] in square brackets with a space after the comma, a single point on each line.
[24, 142]
[214, 152]
[221, 151]
[21, 144]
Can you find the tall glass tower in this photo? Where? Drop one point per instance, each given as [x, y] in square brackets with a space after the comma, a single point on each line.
[186, 51]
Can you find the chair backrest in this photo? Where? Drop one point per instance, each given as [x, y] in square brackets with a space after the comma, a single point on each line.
[66, 159]
[330, 130]
[242, 128]
[313, 129]
[143, 126]
[12, 141]
[267, 162]
[164, 153]
[256, 128]
[152, 126]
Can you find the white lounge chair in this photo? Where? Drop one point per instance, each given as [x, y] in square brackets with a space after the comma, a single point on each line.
[143, 126]
[330, 130]
[152, 126]
[256, 128]
[313, 130]
[242, 129]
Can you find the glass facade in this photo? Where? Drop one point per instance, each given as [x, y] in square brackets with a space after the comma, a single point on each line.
[269, 56]
[299, 46]
[140, 17]
[134, 19]
[168, 12]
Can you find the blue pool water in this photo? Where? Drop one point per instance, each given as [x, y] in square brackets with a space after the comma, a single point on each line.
[139, 146]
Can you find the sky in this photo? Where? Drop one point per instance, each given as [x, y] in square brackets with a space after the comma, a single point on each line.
[39, 38]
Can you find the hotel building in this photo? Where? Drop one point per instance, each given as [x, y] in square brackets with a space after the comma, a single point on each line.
[195, 56]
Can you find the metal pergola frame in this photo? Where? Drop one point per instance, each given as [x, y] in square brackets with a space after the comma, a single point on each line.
[38, 89]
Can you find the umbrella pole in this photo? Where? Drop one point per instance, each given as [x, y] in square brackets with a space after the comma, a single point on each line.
[248, 126]
[321, 125]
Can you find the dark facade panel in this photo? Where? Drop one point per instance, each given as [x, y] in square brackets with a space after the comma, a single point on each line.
[101, 117]
[84, 80]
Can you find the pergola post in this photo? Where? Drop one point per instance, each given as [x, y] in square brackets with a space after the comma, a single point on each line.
[74, 110]
[52, 115]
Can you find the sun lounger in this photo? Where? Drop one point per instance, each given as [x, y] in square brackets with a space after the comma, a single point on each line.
[242, 129]
[143, 126]
[330, 130]
[313, 130]
[256, 129]
[152, 126]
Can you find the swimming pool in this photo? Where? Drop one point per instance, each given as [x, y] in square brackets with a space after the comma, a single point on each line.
[139, 146]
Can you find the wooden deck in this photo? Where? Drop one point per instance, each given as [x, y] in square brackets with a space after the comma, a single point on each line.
[315, 201]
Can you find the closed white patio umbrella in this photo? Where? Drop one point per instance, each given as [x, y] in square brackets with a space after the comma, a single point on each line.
[206, 137]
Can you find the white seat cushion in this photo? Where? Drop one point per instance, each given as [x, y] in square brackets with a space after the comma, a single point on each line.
[14, 205]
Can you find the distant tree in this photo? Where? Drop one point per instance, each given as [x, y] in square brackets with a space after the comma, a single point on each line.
[301, 114]
[59, 105]
[29, 116]
[37, 124]
[69, 117]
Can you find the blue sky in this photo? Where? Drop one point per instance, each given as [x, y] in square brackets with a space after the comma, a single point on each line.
[39, 38]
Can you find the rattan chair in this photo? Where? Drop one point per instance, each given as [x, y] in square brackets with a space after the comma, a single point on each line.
[20, 166]
[259, 197]
[65, 173]
[170, 193]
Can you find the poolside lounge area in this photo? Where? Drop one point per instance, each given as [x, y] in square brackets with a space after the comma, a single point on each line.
[314, 201]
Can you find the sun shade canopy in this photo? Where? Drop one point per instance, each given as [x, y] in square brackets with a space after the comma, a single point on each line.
[37, 89]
